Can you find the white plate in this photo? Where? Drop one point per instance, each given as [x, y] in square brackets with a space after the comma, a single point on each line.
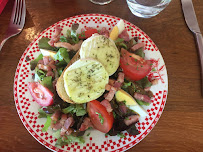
[28, 109]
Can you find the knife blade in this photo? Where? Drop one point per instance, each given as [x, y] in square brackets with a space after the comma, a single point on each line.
[190, 17]
[191, 20]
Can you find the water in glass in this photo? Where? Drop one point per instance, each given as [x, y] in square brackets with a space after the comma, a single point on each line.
[101, 2]
[147, 8]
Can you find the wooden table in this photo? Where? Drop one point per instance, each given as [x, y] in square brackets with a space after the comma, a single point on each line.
[180, 127]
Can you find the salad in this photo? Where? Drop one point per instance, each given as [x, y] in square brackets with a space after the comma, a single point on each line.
[94, 79]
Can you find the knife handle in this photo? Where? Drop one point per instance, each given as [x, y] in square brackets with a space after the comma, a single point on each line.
[199, 40]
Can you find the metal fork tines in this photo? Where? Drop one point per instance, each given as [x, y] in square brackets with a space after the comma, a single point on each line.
[17, 20]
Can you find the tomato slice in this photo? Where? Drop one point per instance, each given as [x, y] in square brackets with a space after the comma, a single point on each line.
[100, 118]
[42, 95]
[134, 69]
[88, 33]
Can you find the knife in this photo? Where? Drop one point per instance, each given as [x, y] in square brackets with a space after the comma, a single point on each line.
[191, 20]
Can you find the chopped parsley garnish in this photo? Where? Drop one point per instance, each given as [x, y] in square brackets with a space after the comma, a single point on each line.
[101, 119]
[130, 27]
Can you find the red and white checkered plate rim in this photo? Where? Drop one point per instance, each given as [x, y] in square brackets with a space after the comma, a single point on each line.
[28, 109]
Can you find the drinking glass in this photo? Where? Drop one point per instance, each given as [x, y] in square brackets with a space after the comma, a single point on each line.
[101, 2]
[147, 8]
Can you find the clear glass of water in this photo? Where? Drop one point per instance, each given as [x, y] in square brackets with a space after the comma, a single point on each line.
[101, 2]
[147, 8]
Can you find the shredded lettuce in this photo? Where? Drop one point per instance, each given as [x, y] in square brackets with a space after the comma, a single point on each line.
[39, 74]
[57, 134]
[61, 55]
[78, 109]
[47, 124]
[69, 139]
[142, 102]
[34, 62]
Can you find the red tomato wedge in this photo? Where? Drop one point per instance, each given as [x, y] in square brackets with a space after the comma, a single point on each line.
[88, 33]
[100, 118]
[134, 68]
[42, 95]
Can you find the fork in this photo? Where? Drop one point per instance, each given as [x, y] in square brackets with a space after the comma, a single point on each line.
[17, 21]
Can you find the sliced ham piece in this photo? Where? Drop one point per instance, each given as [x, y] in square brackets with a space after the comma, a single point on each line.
[50, 73]
[123, 108]
[86, 124]
[117, 85]
[113, 88]
[111, 81]
[40, 62]
[46, 60]
[44, 67]
[68, 45]
[121, 77]
[69, 131]
[108, 87]
[110, 95]
[107, 105]
[68, 123]
[137, 46]
[124, 35]
[60, 123]
[55, 38]
[52, 66]
[56, 126]
[131, 119]
[142, 97]
[104, 32]
[56, 116]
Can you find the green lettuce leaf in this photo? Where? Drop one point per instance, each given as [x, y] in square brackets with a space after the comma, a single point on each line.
[47, 82]
[140, 52]
[47, 124]
[63, 39]
[142, 102]
[78, 109]
[69, 139]
[34, 62]
[144, 83]
[43, 44]
[42, 113]
[61, 55]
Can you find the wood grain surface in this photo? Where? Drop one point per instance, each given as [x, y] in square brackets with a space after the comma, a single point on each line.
[180, 128]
